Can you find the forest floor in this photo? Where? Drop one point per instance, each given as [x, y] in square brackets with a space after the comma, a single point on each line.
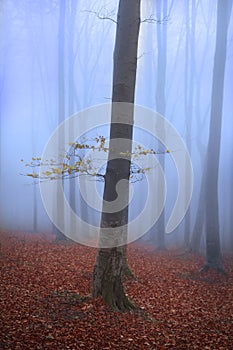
[44, 300]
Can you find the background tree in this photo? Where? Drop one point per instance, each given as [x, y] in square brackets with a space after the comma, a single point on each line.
[213, 252]
[71, 90]
[189, 91]
[58, 205]
[161, 16]
[199, 224]
[201, 120]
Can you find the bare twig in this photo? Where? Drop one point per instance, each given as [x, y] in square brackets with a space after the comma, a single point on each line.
[101, 17]
[153, 20]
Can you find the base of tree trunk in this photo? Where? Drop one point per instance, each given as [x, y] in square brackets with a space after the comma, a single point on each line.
[112, 293]
[214, 266]
[193, 250]
[60, 237]
[127, 273]
[107, 279]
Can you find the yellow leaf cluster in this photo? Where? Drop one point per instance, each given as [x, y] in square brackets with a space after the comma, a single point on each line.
[34, 175]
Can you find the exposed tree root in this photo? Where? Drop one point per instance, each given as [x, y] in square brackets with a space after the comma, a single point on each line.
[108, 284]
[128, 273]
[115, 297]
[122, 304]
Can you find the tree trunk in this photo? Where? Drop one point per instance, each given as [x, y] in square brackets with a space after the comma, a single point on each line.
[71, 85]
[59, 207]
[161, 12]
[213, 252]
[108, 269]
[230, 206]
[189, 92]
[194, 245]
[34, 198]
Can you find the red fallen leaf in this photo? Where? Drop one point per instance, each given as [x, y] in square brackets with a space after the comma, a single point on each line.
[86, 307]
[180, 308]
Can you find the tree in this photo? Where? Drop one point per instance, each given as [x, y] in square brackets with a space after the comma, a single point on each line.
[201, 120]
[213, 252]
[61, 98]
[71, 88]
[189, 89]
[110, 262]
[161, 15]
[107, 275]
[34, 205]
[230, 216]
[195, 241]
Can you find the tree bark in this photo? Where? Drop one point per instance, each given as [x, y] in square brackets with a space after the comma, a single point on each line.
[71, 87]
[108, 269]
[189, 92]
[213, 251]
[194, 245]
[59, 207]
[161, 12]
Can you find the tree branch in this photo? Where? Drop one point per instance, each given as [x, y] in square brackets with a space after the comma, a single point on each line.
[153, 20]
[101, 17]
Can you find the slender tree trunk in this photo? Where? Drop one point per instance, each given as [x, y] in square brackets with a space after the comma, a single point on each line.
[34, 197]
[230, 223]
[72, 182]
[35, 218]
[61, 101]
[230, 216]
[161, 11]
[213, 252]
[107, 275]
[189, 93]
[194, 245]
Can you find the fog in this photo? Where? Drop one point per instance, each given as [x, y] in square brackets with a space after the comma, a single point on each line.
[174, 77]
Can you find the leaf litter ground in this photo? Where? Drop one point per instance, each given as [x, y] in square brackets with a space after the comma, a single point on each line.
[45, 299]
